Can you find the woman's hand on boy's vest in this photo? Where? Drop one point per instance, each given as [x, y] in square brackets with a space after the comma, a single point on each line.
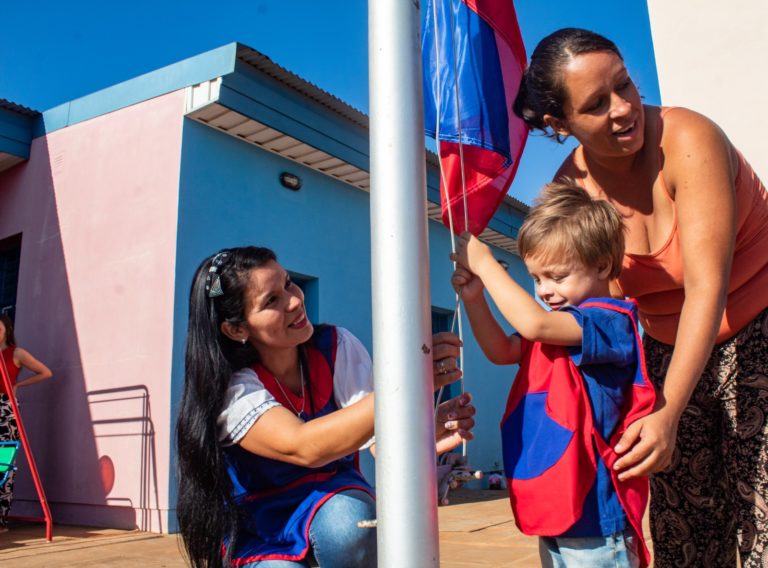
[647, 444]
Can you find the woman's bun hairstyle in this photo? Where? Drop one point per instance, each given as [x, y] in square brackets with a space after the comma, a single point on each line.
[541, 90]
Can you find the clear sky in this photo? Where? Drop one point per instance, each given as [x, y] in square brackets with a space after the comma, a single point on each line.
[53, 51]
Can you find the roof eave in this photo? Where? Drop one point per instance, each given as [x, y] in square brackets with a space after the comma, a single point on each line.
[16, 126]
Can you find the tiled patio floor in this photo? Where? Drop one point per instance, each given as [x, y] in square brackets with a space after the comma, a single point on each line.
[476, 530]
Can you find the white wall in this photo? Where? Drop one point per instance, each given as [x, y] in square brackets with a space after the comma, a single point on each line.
[711, 57]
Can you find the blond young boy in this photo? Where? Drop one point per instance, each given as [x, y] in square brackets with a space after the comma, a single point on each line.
[581, 380]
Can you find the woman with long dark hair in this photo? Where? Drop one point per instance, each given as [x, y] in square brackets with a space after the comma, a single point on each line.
[273, 413]
[697, 263]
[13, 359]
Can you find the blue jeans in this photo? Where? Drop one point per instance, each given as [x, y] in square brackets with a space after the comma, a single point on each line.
[618, 550]
[335, 539]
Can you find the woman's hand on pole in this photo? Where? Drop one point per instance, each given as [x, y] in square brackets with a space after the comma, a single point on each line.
[454, 422]
[445, 359]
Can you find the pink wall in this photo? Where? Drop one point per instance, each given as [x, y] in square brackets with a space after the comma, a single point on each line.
[97, 204]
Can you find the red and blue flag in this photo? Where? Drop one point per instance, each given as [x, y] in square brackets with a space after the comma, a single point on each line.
[473, 59]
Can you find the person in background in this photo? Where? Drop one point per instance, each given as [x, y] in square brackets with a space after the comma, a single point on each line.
[13, 359]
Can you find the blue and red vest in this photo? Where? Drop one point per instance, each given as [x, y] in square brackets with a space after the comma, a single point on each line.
[278, 500]
[550, 440]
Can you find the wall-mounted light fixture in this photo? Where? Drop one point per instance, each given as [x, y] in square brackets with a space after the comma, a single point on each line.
[290, 181]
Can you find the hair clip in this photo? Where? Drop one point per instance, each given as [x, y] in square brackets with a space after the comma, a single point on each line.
[214, 289]
[213, 280]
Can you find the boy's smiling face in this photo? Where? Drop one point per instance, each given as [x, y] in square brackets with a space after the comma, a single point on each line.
[567, 282]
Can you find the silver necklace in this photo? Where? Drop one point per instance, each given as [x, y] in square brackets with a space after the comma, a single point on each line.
[288, 398]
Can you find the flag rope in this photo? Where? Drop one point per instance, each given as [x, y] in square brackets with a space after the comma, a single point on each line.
[444, 185]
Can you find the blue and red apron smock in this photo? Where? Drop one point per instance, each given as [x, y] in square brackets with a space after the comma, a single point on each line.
[278, 500]
[551, 443]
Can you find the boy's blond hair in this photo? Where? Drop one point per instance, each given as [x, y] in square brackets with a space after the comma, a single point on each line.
[566, 222]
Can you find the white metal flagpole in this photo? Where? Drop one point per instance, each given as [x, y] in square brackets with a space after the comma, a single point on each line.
[406, 503]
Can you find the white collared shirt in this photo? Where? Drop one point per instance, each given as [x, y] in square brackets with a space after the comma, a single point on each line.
[246, 398]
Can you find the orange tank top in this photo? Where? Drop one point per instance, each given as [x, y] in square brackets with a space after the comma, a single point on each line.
[655, 280]
[10, 366]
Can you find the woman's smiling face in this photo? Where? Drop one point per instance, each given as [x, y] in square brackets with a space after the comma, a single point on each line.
[275, 316]
[603, 109]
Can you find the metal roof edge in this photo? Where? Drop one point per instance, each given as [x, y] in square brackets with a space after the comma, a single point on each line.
[266, 65]
[18, 109]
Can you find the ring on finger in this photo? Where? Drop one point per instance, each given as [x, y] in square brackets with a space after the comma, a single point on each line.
[441, 367]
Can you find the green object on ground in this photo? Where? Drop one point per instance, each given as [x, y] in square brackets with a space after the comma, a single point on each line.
[8, 451]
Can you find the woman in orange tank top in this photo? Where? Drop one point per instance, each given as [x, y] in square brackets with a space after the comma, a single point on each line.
[12, 360]
[697, 234]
